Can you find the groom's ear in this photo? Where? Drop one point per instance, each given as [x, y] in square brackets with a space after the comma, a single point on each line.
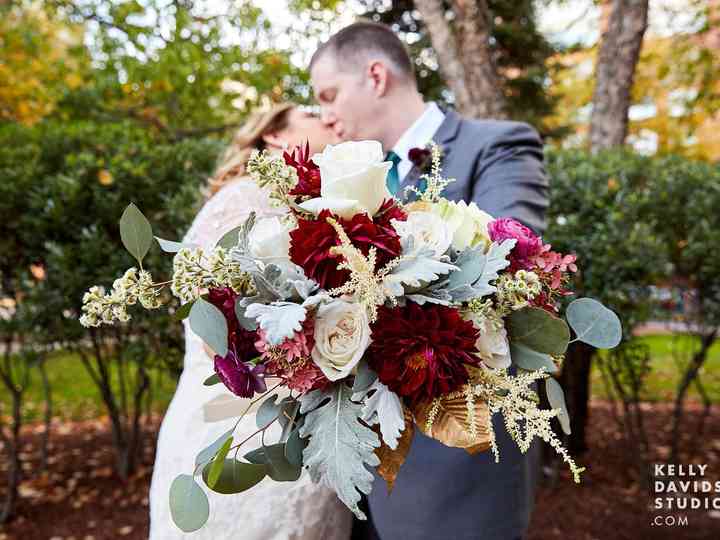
[378, 75]
[275, 140]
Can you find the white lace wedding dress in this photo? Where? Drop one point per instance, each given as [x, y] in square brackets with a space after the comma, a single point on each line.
[270, 510]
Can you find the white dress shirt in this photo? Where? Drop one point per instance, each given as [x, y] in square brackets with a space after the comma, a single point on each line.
[417, 136]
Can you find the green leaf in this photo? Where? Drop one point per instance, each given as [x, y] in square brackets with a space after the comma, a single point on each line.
[594, 324]
[556, 397]
[217, 463]
[236, 476]
[538, 330]
[478, 269]
[531, 360]
[340, 445]
[169, 246]
[229, 239]
[189, 506]
[209, 323]
[212, 380]
[273, 457]
[183, 312]
[267, 412]
[205, 455]
[294, 448]
[135, 232]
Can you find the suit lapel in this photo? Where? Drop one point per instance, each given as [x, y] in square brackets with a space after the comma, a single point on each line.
[445, 134]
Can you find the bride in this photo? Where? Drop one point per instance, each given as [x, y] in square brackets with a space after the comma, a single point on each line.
[199, 414]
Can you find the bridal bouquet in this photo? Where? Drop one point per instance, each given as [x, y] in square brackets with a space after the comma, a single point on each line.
[380, 318]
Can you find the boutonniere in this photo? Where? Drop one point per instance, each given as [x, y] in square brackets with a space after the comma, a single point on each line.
[421, 158]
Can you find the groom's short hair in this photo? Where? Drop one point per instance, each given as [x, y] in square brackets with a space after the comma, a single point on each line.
[355, 42]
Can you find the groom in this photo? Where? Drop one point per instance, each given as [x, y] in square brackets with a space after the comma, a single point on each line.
[364, 82]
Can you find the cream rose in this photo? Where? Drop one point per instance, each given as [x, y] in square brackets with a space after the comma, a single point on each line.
[342, 334]
[269, 241]
[353, 179]
[469, 224]
[493, 345]
[427, 229]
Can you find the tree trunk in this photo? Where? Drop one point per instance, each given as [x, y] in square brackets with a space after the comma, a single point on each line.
[464, 55]
[614, 73]
[575, 380]
[47, 396]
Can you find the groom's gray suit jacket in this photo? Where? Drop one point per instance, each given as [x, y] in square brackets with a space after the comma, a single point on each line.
[443, 493]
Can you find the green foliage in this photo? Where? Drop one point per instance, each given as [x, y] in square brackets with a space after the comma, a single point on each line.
[636, 222]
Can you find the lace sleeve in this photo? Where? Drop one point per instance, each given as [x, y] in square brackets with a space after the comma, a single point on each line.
[227, 209]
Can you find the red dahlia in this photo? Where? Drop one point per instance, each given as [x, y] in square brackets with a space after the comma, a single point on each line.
[421, 352]
[311, 241]
[308, 172]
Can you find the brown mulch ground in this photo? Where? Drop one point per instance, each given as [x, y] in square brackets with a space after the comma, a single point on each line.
[80, 498]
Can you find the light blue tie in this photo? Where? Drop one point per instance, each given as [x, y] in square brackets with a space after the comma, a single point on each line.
[393, 177]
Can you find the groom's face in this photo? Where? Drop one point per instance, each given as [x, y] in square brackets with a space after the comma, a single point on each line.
[347, 99]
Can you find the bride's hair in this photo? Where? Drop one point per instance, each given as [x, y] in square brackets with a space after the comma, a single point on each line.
[248, 138]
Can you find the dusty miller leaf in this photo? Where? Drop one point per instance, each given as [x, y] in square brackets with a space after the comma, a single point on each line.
[339, 445]
[279, 320]
[383, 406]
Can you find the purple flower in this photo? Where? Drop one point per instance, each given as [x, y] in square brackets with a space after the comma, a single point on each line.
[528, 245]
[242, 378]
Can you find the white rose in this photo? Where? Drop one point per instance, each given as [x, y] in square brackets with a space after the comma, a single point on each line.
[342, 334]
[427, 229]
[353, 179]
[269, 241]
[468, 223]
[493, 345]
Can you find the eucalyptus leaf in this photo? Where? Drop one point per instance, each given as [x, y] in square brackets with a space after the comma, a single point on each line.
[189, 506]
[294, 448]
[531, 360]
[169, 246]
[556, 397]
[212, 380]
[268, 412]
[594, 324]
[135, 232]
[538, 330]
[209, 323]
[273, 457]
[217, 463]
[205, 455]
[236, 476]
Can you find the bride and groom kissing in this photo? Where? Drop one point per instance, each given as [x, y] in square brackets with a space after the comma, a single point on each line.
[365, 85]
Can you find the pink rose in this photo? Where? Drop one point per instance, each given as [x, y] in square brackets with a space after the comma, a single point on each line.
[528, 245]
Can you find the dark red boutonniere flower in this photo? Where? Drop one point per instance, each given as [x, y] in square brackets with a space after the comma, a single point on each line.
[421, 352]
[420, 157]
[308, 172]
[311, 241]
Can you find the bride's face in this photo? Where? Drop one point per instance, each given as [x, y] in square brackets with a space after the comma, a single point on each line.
[304, 125]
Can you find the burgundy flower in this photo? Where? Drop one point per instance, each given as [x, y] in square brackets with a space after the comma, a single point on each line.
[528, 245]
[243, 379]
[240, 340]
[420, 157]
[421, 352]
[311, 241]
[308, 172]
